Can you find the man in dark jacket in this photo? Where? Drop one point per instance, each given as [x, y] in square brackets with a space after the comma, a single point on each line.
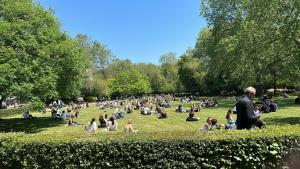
[246, 119]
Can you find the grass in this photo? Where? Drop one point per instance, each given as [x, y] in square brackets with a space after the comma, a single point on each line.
[287, 118]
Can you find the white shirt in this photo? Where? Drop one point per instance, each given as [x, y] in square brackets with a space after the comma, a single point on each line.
[91, 127]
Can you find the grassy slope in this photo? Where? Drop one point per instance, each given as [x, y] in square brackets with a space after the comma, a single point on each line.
[283, 122]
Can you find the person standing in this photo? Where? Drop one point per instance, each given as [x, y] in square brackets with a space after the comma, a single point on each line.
[246, 118]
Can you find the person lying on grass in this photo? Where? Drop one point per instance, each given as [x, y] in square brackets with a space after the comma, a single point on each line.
[129, 127]
[91, 127]
[215, 125]
[26, 115]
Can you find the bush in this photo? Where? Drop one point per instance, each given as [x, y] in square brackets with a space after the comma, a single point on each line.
[165, 153]
[13, 111]
[90, 99]
[36, 104]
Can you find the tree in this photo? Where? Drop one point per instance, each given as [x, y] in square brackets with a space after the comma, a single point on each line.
[99, 58]
[37, 58]
[250, 41]
[154, 73]
[130, 82]
[190, 72]
[169, 69]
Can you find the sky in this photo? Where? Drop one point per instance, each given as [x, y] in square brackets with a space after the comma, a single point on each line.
[139, 30]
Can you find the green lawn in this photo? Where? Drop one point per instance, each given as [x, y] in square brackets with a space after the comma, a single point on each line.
[43, 126]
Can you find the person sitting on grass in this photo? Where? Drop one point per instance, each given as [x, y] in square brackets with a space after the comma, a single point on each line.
[198, 108]
[129, 127]
[180, 109]
[129, 109]
[257, 111]
[161, 114]
[77, 111]
[91, 127]
[246, 119]
[63, 115]
[192, 116]
[111, 124]
[102, 121]
[26, 115]
[145, 111]
[72, 121]
[54, 113]
[273, 106]
[207, 126]
[230, 122]
[215, 125]
[69, 109]
[119, 114]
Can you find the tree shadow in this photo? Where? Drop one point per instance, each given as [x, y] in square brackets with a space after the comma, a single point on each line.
[281, 120]
[31, 126]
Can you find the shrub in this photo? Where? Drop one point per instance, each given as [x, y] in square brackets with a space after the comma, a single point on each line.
[13, 111]
[90, 99]
[153, 153]
[36, 104]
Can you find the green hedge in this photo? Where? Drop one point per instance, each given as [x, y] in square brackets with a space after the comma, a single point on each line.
[13, 111]
[169, 153]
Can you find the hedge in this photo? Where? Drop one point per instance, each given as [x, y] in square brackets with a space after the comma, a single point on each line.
[154, 153]
[13, 111]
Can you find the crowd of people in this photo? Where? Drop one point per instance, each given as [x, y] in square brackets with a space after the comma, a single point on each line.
[248, 112]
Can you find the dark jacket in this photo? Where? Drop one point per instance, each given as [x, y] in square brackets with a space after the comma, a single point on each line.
[245, 113]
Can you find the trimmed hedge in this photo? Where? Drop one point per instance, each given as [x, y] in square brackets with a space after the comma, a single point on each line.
[169, 153]
[13, 111]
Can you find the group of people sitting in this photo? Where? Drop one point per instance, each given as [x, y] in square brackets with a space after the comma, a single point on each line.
[209, 102]
[109, 124]
[248, 117]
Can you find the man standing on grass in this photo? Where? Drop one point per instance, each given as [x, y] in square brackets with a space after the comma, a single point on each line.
[246, 118]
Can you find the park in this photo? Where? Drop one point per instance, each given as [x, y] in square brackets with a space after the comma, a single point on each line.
[68, 101]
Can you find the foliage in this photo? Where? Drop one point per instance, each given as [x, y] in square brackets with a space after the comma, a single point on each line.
[191, 73]
[37, 58]
[130, 82]
[169, 70]
[193, 153]
[36, 104]
[13, 111]
[250, 43]
[90, 99]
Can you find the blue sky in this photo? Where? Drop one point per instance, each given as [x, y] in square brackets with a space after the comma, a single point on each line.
[139, 30]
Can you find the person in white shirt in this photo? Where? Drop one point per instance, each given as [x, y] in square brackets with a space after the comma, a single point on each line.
[111, 124]
[92, 126]
[63, 115]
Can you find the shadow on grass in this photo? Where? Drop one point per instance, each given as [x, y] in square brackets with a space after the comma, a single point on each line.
[31, 126]
[281, 120]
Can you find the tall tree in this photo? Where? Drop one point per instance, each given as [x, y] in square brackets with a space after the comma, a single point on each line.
[251, 41]
[37, 59]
